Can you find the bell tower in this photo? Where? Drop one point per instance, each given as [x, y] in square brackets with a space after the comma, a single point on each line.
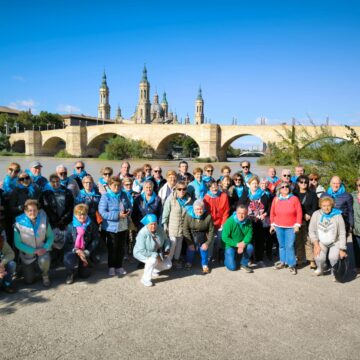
[199, 108]
[143, 107]
[104, 106]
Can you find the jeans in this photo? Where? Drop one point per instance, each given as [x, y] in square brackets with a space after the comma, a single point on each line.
[10, 269]
[356, 245]
[71, 261]
[231, 255]
[42, 261]
[190, 254]
[286, 238]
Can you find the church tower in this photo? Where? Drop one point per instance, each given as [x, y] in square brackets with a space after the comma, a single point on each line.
[164, 105]
[143, 107]
[104, 106]
[118, 117]
[199, 109]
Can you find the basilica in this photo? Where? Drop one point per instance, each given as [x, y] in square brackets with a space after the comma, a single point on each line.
[147, 112]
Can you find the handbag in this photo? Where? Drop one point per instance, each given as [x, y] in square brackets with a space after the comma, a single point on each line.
[341, 269]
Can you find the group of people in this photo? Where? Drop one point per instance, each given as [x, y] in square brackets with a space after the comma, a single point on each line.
[239, 221]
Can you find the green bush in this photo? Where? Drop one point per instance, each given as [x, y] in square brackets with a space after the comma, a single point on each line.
[64, 154]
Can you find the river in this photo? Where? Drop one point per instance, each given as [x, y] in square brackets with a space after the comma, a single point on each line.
[93, 166]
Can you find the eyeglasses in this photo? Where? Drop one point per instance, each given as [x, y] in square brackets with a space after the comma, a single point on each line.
[63, 173]
[55, 181]
[302, 182]
[245, 167]
[157, 171]
[314, 179]
[127, 184]
[24, 178]
[237, 179]
[286, 175]
[148, 169]
[107, 174]
[209, 170]
[14, 170]
[80, 167]
[181, 189]
[285, 187]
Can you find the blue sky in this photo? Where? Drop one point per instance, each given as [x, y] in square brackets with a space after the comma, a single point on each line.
[272, 59]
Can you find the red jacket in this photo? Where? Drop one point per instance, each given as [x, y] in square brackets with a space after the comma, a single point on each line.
[286, 213]
[218, 208]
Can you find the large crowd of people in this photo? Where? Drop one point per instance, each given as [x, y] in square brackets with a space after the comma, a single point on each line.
[239, 221]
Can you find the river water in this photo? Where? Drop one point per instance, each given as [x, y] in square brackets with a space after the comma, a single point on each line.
[93, 166]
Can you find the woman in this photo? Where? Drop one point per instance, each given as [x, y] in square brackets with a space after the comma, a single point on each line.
[33, 237]
[356, 229]
[314, 184]
[82, 239]
[168, 188]
[309, 204]
[197, 188]
[225, 184]
[11, 178]
[199, 234]
[173, 219]
[208, 174]
[89, 196]
[146, 203]
[139, 176]
[106, 173]
[225, 171]
[238, 193]
[258, 212]
[115, 209]
[285, 219]
[151, 248]
[327, 233]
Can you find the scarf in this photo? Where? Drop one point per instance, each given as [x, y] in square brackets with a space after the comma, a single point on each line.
[182, 202]
[207, 178]
[333, 194]
[9, 183]
[151, 200]
[328, 216]
[212, 195]
[242, 222]
[48, 187]
[200, 188]
[80, 175]
[294, 179]
[139, 184]
[114, 195]
[286, 197]
[190, 211]
[248, 176]
[65, 182]
[272, 180]
[34, 178]
[24, 220]
[30, 188]
[80, 232]
[239, 191]
[91, 193]
[258, 194]
[129, 196]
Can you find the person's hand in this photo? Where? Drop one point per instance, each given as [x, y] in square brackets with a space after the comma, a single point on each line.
[240, 247]
[192, 247]
[317, 249]
[296, 229]
[2, 271]
[167, 252]
[40, 252]
[124, 214]
[204, 246]
[307, 217]
[263, 216]
[272, 229]
[342, 254]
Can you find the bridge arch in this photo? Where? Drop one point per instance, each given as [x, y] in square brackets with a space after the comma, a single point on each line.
[96, 145]
[53, 145]
[324, 139]
[18, 146]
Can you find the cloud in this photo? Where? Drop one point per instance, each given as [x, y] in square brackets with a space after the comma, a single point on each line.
[24, 105]
[68, 108]
[18, 78]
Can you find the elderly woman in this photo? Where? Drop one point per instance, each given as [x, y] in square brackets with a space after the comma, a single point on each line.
[197, 188]
[286, 219]
[225, 171]
[199, 234]
[168, 188]
[146, 203]
[90, 196]
[103, 184]
[139, 176]
[82, 239]
[152, 248]
[238, 193]
[173, 219]
[115, 209]
[314, 184]
[208, 174]
[356, 229]
[327, 233]
[11, 178]
[33, 237]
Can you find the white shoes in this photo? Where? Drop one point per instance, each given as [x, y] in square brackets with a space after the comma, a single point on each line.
[120, 271]
[147, 283]
[318, 272]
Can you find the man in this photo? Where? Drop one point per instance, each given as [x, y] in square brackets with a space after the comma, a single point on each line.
[35, 174]
[273, 180]
[299, 170]
[183, 174]
[66, 181]
[79, 173]
[125, 171]
[159, 180]
[286, 177]
[247, 174]
[236, 235]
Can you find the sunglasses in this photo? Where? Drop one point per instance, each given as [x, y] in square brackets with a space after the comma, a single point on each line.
[286, 175]
[237, 179]
[107, 174]
[24, 178]
[181, 189]
[157, 171]
[14, 170]
[63, 173]
[209, 170]
[80, 167]
[302, 182]
[285, 187]
[148, 169]
[245, 167]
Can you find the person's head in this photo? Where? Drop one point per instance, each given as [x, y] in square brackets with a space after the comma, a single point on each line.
[61, 171]
[171, 178]
[24, 179]
[180, 189]
[115, 184]
[197, 172]
[150, 221]
[284, 188]
[81, 212]
[148, 187]
[314, 179]
[54, 181]
[299, 170]
[245, 165]
[303, 182]
[225, 182]
[125, 168]
[127, 183]
[88, 183]
[147, 169]
[213, 186]
[225, 171]
[326, 204]
[335, 183]
[208, 170]
[199, 207]
[13, 170]
[106, 172]
[357, 183]
[271, 172]
[183, 167]
[35, 168]
[238, 179]
[157, 172]
[31, 209]
[139, 174]
[264, 183]
[253, 183]
[79, 167]
[241, 212]
[286, 175]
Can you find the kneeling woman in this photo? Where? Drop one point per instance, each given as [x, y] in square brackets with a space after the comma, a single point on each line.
[33, 237]
[198, 234]
[152, 247]
[327, 233]
[236, 235]
[82, 239]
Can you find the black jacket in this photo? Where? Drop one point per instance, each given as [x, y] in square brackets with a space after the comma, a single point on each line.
[18, 197]
[309, 201]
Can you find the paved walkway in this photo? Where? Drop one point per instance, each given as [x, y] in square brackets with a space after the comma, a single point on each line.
[224, 315]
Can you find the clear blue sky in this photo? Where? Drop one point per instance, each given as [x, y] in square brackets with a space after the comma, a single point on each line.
[273, 59]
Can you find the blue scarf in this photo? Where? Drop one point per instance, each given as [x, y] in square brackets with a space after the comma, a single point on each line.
[333, 194]
[9, 183]
[200, 188]
[258, 194]
[182, 202]
[114, 195]
[190, 211]
[24, 220]
[248, 176]
[150, 177]
[140, 184]
[214, 196]
[102, 181]
[285, 198]
[294, 178]
[77, 223]
[328, 216]
[80, 175]
[34, 178]
[65, 182]
[48, 187]
[151, 200]
[30, 188]
[243, 222]
[207, 178]
[129, 196]
[272, 180]
[239, 191]
[91, 193]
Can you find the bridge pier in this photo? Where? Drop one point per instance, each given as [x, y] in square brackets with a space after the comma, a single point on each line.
[76, 140]
[209, 135]
[33, 144]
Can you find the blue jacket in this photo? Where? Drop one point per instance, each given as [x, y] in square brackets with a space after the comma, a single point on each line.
[109, 209]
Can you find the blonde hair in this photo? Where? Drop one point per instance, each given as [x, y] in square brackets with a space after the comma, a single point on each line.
[87, 177]
[327, 199]
[170, 172]
[81, 209]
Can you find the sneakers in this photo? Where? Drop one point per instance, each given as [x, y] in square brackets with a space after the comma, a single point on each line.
[112, 271]
[312, 265]
[318, 272]
[155, 274]
[279, 265]
[147, 283]
[46, 281]
[247, 269]
[120, 271]
[69, 278]
[293, 270]
[205, 269]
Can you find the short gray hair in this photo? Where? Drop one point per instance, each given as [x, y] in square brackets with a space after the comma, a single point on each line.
[199, 203]
[61, 166]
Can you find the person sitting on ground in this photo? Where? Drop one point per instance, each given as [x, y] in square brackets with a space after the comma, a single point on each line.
[7, 265]
[35, 174]
[103, 184]
[168, 188]
[197, 188]
[66, 181]
[79, 173]
[152, 248]
[33, 237]
[82, 239]
[236, 236]
[183, 174]
[11, 178]
[199, 234]
[327, 233]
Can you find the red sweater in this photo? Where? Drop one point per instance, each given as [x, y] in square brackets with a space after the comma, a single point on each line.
[286, 213]
[218, 208]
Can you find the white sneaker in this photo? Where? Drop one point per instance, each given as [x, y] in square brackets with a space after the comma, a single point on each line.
[155, 274]
[318, 272]
[120, 271]
[111, 271]
[147, 283]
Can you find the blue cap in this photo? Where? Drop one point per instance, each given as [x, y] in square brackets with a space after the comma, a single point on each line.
[148, 219]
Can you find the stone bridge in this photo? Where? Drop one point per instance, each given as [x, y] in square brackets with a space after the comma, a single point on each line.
[212, 139]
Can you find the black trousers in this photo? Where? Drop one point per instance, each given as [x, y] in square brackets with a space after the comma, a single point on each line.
[258, 240]
[116, 247]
